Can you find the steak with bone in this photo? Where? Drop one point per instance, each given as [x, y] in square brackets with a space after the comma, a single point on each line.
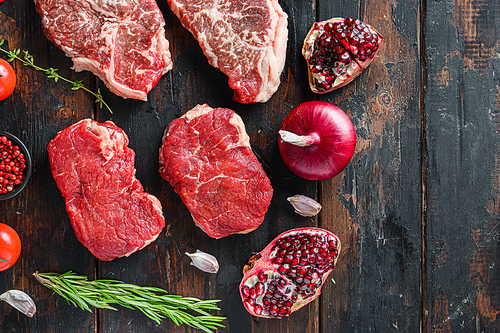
[122, 42]
[108, 209]
[245, 39]
[207, 158]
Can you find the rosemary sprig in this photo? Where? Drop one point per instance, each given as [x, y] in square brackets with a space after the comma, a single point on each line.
[27, 60]
[154, 302]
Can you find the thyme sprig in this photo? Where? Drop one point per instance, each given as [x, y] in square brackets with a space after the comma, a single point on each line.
[154, 302]
[27, 60]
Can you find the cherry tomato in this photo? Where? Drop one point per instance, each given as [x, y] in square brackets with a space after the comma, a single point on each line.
[7, 79]
[10, 247]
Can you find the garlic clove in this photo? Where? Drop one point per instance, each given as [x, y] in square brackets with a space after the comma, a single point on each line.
[20, 301]
[304, 206]
[204, 261]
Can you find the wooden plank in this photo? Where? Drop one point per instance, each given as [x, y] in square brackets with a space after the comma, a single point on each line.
[462, 108]
[193, 81]
[144, 123]
[374, 205]
[35, 112]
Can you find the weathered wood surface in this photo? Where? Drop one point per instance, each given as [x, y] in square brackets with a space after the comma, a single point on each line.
[416, 210]
[462, 188]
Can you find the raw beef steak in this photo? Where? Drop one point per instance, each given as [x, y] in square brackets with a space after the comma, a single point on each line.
[122, 42]
[206, 157]
[108, 209]
[245, 39]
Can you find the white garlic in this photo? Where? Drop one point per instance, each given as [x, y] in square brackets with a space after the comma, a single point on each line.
[20, 301]
[304, 206]
[204, 261]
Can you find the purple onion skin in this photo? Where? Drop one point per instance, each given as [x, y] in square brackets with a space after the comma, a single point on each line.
[328, 157]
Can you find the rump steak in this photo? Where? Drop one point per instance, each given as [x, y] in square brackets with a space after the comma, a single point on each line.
[206, 157]
[122, 42]
[108, 209]
[245, 39]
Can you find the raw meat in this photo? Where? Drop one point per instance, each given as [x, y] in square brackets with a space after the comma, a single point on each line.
[245, 39]
[108, 209]
[206, 157]
[122, 42]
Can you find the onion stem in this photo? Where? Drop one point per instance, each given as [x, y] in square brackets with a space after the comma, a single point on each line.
[299, 140]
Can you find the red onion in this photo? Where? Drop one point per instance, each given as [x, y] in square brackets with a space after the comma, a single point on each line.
[317, 140]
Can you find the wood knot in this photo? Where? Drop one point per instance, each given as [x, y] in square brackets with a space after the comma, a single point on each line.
[65, 113]
[384, 98]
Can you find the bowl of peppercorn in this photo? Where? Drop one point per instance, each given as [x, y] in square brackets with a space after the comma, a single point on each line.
[15, 166]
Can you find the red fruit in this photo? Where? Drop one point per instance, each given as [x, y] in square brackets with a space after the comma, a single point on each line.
[280, 289]
[337, 51]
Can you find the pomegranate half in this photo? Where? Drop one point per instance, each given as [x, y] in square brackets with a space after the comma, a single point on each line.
[289, 272]
[337, 51]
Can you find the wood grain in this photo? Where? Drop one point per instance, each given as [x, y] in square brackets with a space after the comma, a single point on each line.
[417, 209]
[462, 143]
[374, 205]
[35, 112]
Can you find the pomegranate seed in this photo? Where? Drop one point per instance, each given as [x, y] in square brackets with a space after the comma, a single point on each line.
[284, 268]
[262, 277]
[245, 291]
[257, 309]
[259, 288]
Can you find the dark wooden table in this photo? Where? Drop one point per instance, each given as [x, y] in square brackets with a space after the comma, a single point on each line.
[417, 209]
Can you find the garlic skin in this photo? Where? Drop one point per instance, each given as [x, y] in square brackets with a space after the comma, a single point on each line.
[304, 206]
[20, 301]
[204, 261]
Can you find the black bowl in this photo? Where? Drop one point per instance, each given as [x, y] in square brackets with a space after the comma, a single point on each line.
[27, 171]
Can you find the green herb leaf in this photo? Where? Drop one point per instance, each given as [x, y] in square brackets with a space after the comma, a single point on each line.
[155, 303]
[28, 60]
